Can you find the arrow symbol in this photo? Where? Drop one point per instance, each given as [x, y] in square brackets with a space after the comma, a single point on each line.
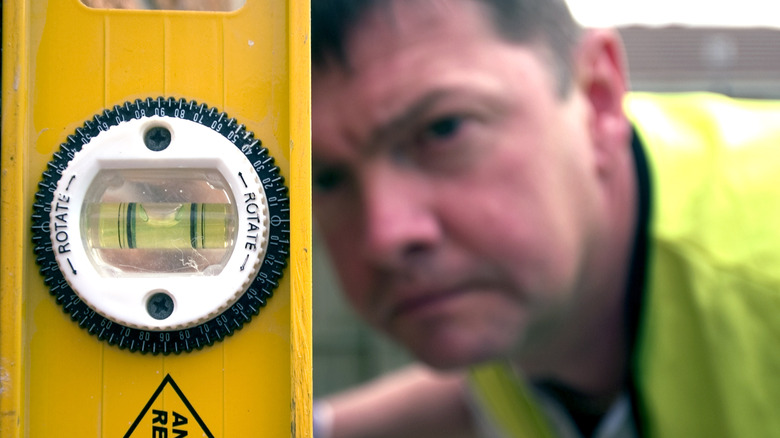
[245, 260]
[74, 269]
[240, 175]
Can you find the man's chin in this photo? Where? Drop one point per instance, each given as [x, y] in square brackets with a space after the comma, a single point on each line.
[449, 354]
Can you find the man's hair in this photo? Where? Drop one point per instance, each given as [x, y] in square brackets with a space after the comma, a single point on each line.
[523, 21]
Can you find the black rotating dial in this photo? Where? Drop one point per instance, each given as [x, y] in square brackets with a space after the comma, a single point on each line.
[116, 191]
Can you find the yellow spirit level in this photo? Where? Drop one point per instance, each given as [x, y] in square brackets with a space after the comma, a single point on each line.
[156, 222]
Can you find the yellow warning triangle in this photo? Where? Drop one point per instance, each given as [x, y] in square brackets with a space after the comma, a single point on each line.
[169, 416]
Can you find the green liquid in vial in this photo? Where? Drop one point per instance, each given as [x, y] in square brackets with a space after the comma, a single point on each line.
[160, 225]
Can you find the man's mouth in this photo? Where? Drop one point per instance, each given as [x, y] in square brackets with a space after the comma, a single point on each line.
[419, 303]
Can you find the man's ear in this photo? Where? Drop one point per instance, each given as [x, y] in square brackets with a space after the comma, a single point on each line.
[600, 75]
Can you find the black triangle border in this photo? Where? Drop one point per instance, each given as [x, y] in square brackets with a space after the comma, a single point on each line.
[168, 380]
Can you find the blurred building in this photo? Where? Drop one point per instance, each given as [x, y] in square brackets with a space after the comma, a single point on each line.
[740, 62]
[346, 352]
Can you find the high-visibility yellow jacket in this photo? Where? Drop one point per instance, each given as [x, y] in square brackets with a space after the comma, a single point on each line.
[707, 351]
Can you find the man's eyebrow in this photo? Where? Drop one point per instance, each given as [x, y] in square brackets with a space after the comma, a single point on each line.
[386, 130]
[408, 117]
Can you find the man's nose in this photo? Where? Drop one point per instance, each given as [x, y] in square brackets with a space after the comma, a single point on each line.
[400, 216]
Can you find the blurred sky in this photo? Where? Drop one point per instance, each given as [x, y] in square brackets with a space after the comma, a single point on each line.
[743, 13]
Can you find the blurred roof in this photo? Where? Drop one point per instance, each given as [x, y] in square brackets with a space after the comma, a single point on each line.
[736, 61]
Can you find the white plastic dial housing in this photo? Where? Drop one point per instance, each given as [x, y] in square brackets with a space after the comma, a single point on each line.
[122, 295]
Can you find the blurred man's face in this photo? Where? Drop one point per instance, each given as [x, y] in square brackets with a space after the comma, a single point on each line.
[456, 191]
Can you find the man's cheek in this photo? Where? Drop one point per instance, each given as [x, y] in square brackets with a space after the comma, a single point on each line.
[356, 282]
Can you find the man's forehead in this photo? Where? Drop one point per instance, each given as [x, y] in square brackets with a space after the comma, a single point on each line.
[412, 36]
[387, 26]
[401, 56]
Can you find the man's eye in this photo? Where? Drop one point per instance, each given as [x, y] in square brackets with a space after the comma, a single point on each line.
[328, 179]
[444, 128]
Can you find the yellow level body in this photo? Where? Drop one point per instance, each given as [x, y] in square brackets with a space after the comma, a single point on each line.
[63, 63]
